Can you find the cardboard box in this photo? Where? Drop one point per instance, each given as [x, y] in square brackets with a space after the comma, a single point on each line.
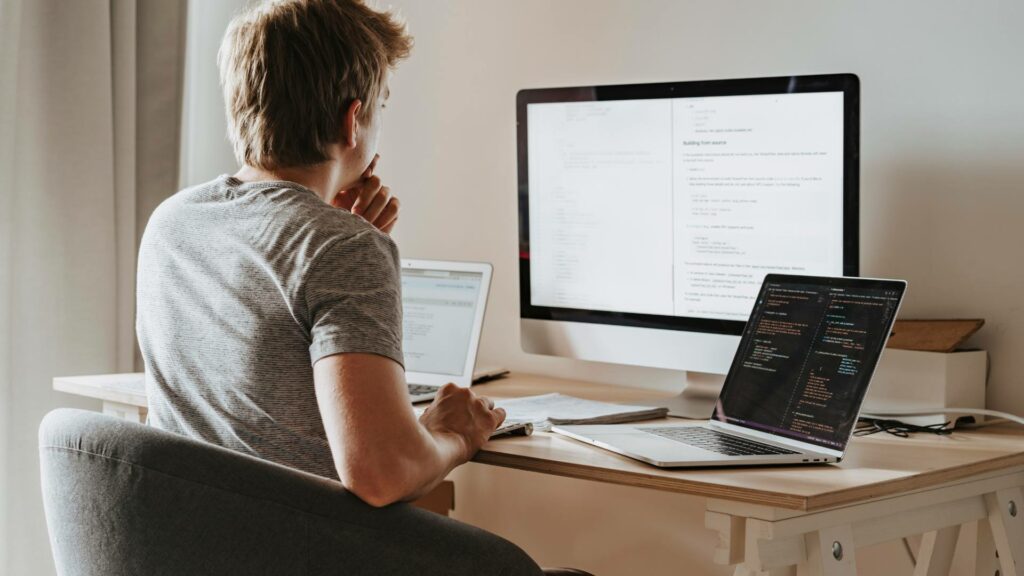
[916, 379]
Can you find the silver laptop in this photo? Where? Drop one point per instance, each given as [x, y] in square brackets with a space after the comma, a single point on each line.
[443, 306]
[796, 384]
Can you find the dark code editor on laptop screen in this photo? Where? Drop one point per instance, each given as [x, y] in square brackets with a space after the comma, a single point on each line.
[806, 358]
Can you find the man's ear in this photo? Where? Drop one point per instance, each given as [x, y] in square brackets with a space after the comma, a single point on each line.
[350, 124]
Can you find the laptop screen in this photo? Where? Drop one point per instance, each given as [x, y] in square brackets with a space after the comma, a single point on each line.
[807, 355]
[438, 310]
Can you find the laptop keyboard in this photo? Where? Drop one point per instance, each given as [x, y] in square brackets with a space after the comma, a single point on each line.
[716, 441]
[417, 389]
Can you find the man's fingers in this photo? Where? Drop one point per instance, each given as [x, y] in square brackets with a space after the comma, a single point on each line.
[373, 165]
[366, 193]
[387, 217]
[371, 200]
[344, 199]
[481, 404]
[377, 205]
[389, 212]
[499, 415]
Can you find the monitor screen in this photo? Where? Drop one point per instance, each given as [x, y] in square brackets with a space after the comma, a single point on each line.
[438, 310]
[807, 356]
[666, 205]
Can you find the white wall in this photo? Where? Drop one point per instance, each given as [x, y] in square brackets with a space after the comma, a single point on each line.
[941, 183]
[942, 134]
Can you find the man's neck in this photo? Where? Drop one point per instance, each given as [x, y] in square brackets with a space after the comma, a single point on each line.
[325, 179]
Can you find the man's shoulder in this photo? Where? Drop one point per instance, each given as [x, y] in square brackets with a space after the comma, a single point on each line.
[272, 212]
[296, 229]
[313, 227]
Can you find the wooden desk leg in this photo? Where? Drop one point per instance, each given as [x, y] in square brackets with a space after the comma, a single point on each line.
[125, 411]
[733, 539]
[731, 533]
[765, 548]
[826, 552]
[761, 541]
[441, 500]
[1006, 520]
[986, 562]
[830, 552]
[743, 570]
[935, 555]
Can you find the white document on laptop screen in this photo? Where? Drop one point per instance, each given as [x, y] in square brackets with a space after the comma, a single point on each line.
[679, 207]
[438, 309]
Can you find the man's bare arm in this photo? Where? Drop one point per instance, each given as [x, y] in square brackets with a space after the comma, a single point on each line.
[382, 453]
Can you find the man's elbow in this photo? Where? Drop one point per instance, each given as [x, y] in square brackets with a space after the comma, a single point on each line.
[374, 495]
[377, 490]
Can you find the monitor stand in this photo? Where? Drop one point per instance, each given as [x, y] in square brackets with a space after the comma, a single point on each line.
[697, 400]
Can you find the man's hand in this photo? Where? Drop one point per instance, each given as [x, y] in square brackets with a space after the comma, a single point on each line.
[371, 200]
[459, 411]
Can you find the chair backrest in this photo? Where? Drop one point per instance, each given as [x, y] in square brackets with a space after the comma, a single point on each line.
[124, 498]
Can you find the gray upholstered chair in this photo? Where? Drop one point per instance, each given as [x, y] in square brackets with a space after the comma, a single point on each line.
[124, 498]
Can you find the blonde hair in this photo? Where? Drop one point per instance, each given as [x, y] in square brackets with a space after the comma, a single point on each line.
[290, 69]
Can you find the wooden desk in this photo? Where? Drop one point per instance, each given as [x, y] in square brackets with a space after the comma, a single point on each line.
[804, 520]
[123, 395]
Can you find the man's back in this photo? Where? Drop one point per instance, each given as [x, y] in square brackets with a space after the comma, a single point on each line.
[245, 286]
[269, 313]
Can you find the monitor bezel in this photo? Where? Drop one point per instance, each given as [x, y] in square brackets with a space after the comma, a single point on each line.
[848, 84]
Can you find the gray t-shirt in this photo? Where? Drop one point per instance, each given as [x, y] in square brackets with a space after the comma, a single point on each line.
[241, 288]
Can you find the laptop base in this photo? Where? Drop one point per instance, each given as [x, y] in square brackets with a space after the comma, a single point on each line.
[633, 442]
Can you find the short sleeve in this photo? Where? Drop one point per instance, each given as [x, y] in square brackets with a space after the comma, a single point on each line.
[353, 297]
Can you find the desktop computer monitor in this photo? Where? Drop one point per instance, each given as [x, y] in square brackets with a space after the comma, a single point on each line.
[649, 214]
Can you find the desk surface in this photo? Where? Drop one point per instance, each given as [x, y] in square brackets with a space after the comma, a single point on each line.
[874, 467]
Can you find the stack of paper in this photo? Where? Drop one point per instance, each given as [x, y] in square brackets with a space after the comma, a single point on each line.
[547, 410]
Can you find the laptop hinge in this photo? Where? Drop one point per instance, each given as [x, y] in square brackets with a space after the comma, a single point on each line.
[775, 439]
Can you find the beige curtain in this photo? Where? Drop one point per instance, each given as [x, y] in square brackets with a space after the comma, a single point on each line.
[10, 11]
[90, 94]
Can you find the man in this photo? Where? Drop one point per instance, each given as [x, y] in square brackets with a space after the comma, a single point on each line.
[269, 308]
